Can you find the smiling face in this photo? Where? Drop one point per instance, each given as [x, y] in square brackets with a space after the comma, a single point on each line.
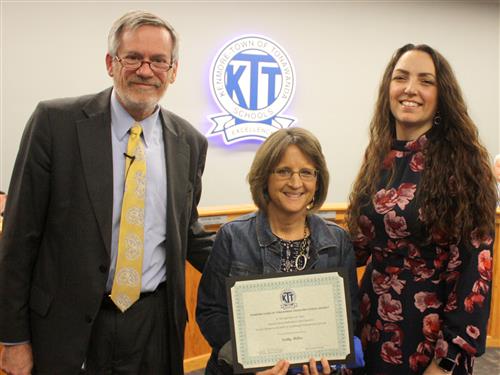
[413, 94]
[139, 90]
[291, 196]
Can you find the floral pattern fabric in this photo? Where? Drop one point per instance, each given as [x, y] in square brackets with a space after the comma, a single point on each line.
[419, 299]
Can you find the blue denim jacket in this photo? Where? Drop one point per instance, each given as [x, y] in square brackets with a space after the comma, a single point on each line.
[247, 246]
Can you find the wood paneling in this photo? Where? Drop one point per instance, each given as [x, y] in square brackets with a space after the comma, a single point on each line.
[493, 339]
[196, 349]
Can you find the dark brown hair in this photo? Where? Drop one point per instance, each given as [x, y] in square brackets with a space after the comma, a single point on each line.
[457, 192]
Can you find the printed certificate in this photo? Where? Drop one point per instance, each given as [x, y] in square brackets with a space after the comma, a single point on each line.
[292, 316]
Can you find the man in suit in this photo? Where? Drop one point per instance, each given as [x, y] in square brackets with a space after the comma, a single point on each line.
[60, 243]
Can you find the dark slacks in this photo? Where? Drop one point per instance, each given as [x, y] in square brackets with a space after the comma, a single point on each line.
[134, 342]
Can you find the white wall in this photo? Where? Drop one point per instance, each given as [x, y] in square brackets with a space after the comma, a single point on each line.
[339, 49]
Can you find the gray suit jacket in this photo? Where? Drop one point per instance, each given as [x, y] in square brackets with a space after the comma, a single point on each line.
[55, 248]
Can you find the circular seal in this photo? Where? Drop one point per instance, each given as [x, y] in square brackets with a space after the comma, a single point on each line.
[128, 276]
[252, 78]
[288, 298]
[123, 301]
[135, 216]
[133, 246]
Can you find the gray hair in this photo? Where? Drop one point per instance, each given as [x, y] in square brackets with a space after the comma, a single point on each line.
[135, 19]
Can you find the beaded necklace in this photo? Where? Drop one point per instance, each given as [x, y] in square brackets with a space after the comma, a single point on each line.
[295, 254]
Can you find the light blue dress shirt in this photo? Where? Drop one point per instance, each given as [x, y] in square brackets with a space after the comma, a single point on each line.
[155, 215]
[155, 210]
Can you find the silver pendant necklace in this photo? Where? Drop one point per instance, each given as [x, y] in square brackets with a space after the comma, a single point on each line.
[295, 254]
[303, 256]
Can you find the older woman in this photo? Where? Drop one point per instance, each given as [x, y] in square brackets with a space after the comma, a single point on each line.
[422, 214]
[289, 181]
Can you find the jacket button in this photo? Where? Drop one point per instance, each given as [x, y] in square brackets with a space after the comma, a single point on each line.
[88, 318]
[103, 268]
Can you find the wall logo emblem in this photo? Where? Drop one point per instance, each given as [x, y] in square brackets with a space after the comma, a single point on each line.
[252, 80]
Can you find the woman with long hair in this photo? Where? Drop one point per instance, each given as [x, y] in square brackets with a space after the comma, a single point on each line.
[421, 214]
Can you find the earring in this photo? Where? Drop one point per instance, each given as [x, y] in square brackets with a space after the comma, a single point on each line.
[437, 118]
[310, 205]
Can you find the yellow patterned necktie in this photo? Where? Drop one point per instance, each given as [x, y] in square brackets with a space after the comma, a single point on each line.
[127, 281]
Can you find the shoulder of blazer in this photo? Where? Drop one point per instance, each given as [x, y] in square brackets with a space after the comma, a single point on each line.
[85, 105]
[181, 127]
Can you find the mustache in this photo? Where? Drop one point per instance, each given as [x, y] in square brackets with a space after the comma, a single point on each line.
[142, 81]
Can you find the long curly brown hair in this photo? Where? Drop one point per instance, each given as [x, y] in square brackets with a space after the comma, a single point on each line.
[457, 192]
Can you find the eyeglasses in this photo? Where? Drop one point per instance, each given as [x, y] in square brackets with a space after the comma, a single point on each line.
[306, 174]
[134, 63]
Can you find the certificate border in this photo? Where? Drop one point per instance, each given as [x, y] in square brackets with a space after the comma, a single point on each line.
[341, 271]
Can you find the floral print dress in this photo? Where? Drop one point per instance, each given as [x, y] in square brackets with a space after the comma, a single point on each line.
[418, 300]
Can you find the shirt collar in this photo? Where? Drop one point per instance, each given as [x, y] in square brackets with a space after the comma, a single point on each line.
[121, 121]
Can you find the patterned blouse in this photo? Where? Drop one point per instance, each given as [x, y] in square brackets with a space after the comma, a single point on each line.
[419, 300]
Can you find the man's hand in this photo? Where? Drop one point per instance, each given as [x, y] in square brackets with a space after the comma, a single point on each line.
[17, 359]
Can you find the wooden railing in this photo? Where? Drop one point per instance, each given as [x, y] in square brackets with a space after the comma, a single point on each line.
[197, 350]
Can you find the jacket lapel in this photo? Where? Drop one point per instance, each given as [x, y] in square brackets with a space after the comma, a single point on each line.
[177, 161]
[94, 136]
